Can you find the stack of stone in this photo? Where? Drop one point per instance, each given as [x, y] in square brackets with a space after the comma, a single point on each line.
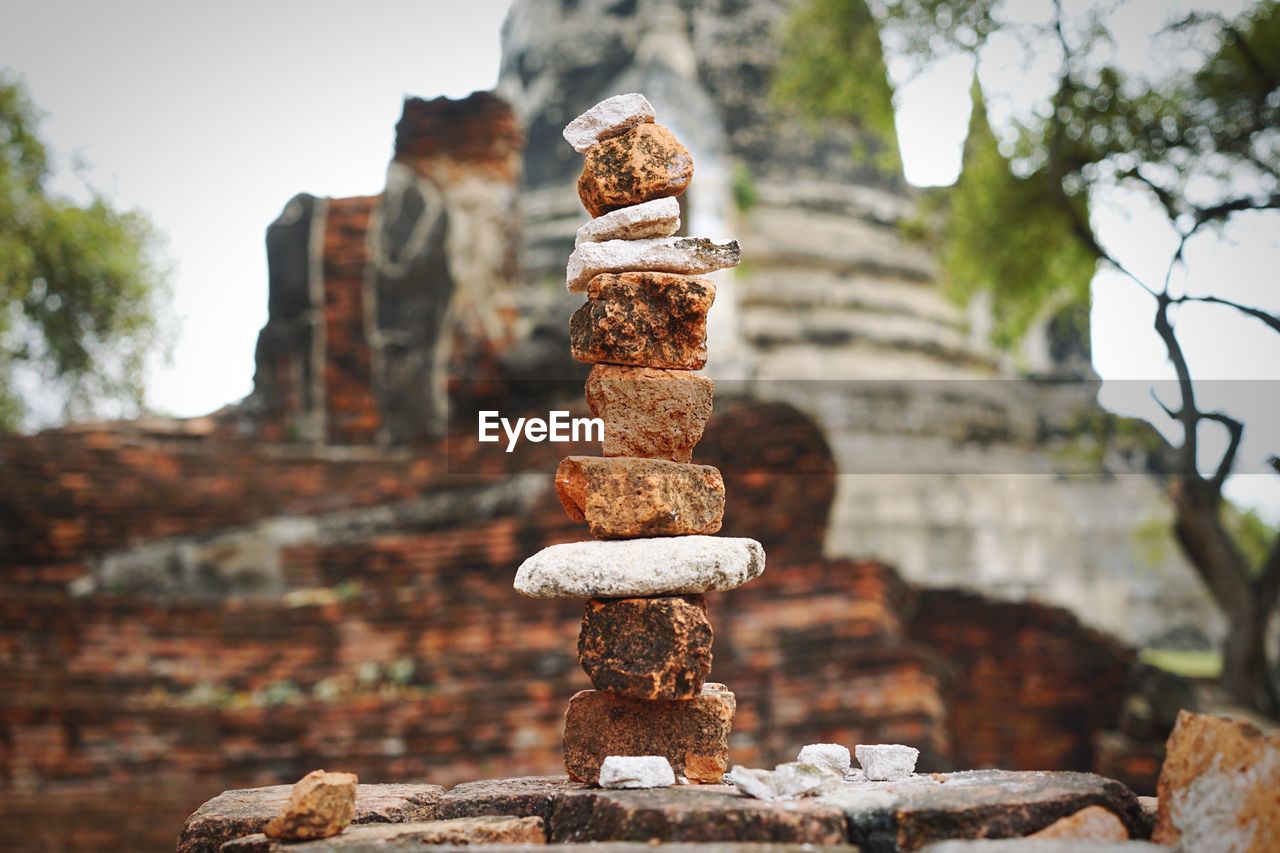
[646, 639]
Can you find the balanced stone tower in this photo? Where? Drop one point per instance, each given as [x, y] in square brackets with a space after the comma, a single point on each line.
[646, 639]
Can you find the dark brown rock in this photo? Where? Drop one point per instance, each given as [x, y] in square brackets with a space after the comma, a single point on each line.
[645, 163]
[236, 813]
[1218, 786]
[624, 497]
[658, 414]
[462, 831]
[522, 796]
[645, 319]
[692, 734]
[691, 813]
[647, 648]
[974, 804]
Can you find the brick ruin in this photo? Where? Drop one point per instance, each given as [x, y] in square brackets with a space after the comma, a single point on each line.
[316, 577]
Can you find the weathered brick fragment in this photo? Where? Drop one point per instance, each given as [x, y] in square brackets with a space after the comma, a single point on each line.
[645, 163]
[647, 648]
[625, 497]
[647, 412]
[646, 319]
[321, 804]
[692, 734]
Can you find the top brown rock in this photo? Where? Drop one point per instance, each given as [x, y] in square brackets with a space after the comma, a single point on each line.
[645, 163]
[321, 804]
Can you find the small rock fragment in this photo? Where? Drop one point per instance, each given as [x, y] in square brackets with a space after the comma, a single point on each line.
[658, 414]
[645, 163]
[1093, 823]
[624, 497]
[693, 735]
[645, 221]
[831, 756]
[320, 805]
[645, 319]
[610, 117]
[647, 648]
[1217, 788]
[636, 771]
[887, 762]
[682, 255]
[790, 781]
[640, 567]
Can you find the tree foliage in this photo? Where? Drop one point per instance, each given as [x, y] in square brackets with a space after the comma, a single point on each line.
[79, 286]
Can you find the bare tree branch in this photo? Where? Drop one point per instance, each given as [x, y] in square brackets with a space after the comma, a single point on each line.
[1272, 320]
[1220, 211]
[1187, 415]
[1236, 431]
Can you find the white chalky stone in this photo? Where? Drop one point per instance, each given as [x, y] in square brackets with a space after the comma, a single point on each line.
[887, 762]
[610, 117]
[684, 255]
[832, 756]
[636, 771]
[657, 218]
[626, 568]
[790, 781]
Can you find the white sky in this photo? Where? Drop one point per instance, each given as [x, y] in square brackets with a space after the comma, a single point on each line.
[210, 117]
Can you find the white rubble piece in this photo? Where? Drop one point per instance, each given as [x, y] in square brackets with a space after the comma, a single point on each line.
[790, 781]
[887, 762]
[683, 255]
[647, 220]
[636, 771]
[831, 756]
[611, 117]
[630, 568]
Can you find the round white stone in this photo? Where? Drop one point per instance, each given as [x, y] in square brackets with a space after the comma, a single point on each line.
[636, 771]
[887, 762]
[831, 756]
[625, 568]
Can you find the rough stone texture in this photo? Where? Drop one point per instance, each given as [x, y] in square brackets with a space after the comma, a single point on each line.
[1029, 845]
[610, 117]
[691, 813]
[645, 163]
[640, 567]
[321, 804]
[973, 804]
[791, 781]
[1151, 812]
[683, 255]
[832, 756]
[625, 497]
[648, 412]
[461, 831]
[1093, 824]
[692, 734]
[647, 221]
[887, 762]
[636, 771]
[647, 648]
[244, 811]
[646, 319]
[523, 796]
[1218, 787]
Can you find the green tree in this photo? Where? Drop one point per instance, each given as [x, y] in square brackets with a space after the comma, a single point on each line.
[1202, 141]
[79, 285]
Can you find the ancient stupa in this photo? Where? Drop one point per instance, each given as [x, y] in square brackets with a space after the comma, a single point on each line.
[646, 639]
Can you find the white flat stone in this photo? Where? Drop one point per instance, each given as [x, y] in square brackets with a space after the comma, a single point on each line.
[624, 568]
[657, 218]
[636, 771]
[610, 117]
[887, 762]
[831, 756]
[684, 255]
[790, 781]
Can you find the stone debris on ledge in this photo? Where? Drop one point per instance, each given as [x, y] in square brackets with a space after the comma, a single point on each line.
[832, 756]
[321, 804]
[610, 117]
[682, 255]
[630, 568]
[636, 771]
[887, 762]
[625, 497]
[791, 781]
[245, 811]
[645, 221]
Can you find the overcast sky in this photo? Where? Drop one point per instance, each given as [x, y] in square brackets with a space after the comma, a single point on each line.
[209, 117]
